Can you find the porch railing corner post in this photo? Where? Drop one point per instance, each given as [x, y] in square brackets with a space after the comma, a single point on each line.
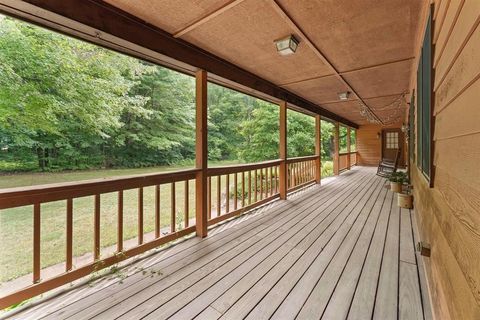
[349, 164]
[201, 154]
[283, 151]
[318, 149]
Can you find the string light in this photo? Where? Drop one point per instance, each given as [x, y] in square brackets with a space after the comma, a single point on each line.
[397, 106]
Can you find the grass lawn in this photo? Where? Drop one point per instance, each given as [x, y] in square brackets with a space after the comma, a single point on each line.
[16, 224]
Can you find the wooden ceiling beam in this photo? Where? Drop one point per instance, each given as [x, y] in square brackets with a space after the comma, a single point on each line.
[109, 19]
[207, 17]
[284, 14]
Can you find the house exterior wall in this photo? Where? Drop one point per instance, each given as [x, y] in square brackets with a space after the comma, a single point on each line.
[369, 145]
[448, 209]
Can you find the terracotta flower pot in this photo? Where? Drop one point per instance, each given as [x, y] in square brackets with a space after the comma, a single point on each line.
[396, 186]
[405, 200]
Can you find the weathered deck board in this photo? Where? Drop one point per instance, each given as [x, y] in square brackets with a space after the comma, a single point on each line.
[340, 250]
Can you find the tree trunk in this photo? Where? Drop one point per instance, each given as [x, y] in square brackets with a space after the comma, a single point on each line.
[41, 159]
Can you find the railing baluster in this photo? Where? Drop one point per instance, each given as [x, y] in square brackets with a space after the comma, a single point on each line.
[304, 169]
[249, 187]
[173, 217]
[271, 181]
[187, 204]
[120, 221]
[219, 196]
[209, 197]
[235, 191]
[96, 228]
[255, 186]
[276, 179]
[157, 211]
[243, 189]
[227, 193]
[266, 182]
[69, 235]
[140, 216]
[295, 174]
[36, 242]
[261, 183]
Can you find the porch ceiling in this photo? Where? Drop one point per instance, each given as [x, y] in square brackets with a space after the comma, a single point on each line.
[366, 47]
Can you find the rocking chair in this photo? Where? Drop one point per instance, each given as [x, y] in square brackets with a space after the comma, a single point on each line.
[388, 166]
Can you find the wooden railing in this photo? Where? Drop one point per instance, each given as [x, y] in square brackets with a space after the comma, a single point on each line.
[240, 188]
[37, 196]
[170, 197]
[347, 160]
[353, 158]
[300, 172]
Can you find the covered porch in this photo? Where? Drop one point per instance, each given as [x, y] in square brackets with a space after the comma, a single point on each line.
[267, 237]
[339, 250]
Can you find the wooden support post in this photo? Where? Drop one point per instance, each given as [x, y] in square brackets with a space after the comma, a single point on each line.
[283, 150]
[348, 149]
[201, 154]
[318, 149]
[336, 148]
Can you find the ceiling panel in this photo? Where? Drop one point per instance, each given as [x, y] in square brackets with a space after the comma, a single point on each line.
[171, 16]
[320, 90]
[348, 109]
[245, 34]
[361, 33]
[369, 42]
[381, 81]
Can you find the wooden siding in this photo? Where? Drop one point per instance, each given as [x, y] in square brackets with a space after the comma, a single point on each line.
[337, 251]
[448, 213]
[369, 146]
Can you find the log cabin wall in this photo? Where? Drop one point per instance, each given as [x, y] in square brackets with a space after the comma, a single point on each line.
[369, 143]
[448, 213]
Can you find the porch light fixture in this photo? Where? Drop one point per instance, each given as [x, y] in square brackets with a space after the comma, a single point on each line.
[343, 95]
[287, 45]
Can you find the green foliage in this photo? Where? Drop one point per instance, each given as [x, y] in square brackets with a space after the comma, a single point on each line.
[399, 177]
[342, 138]
[327, 169]
[66, 104]
[353, 140]
[300, 134]
[327, 129]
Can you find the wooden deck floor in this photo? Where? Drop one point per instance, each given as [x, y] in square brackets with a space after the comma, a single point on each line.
[343, 250]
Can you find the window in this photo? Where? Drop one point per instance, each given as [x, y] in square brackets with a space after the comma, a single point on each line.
[391, 140]
[424, 99]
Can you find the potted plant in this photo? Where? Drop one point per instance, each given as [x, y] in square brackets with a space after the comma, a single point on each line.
[405, 200]
[396, 181]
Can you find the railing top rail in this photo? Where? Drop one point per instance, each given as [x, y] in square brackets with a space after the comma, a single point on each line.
[300, 159]
[23, 196]
[346, 153]
[241, 167]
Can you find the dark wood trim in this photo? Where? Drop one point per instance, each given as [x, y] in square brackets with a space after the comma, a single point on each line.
[433, 96]
[111, 20]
